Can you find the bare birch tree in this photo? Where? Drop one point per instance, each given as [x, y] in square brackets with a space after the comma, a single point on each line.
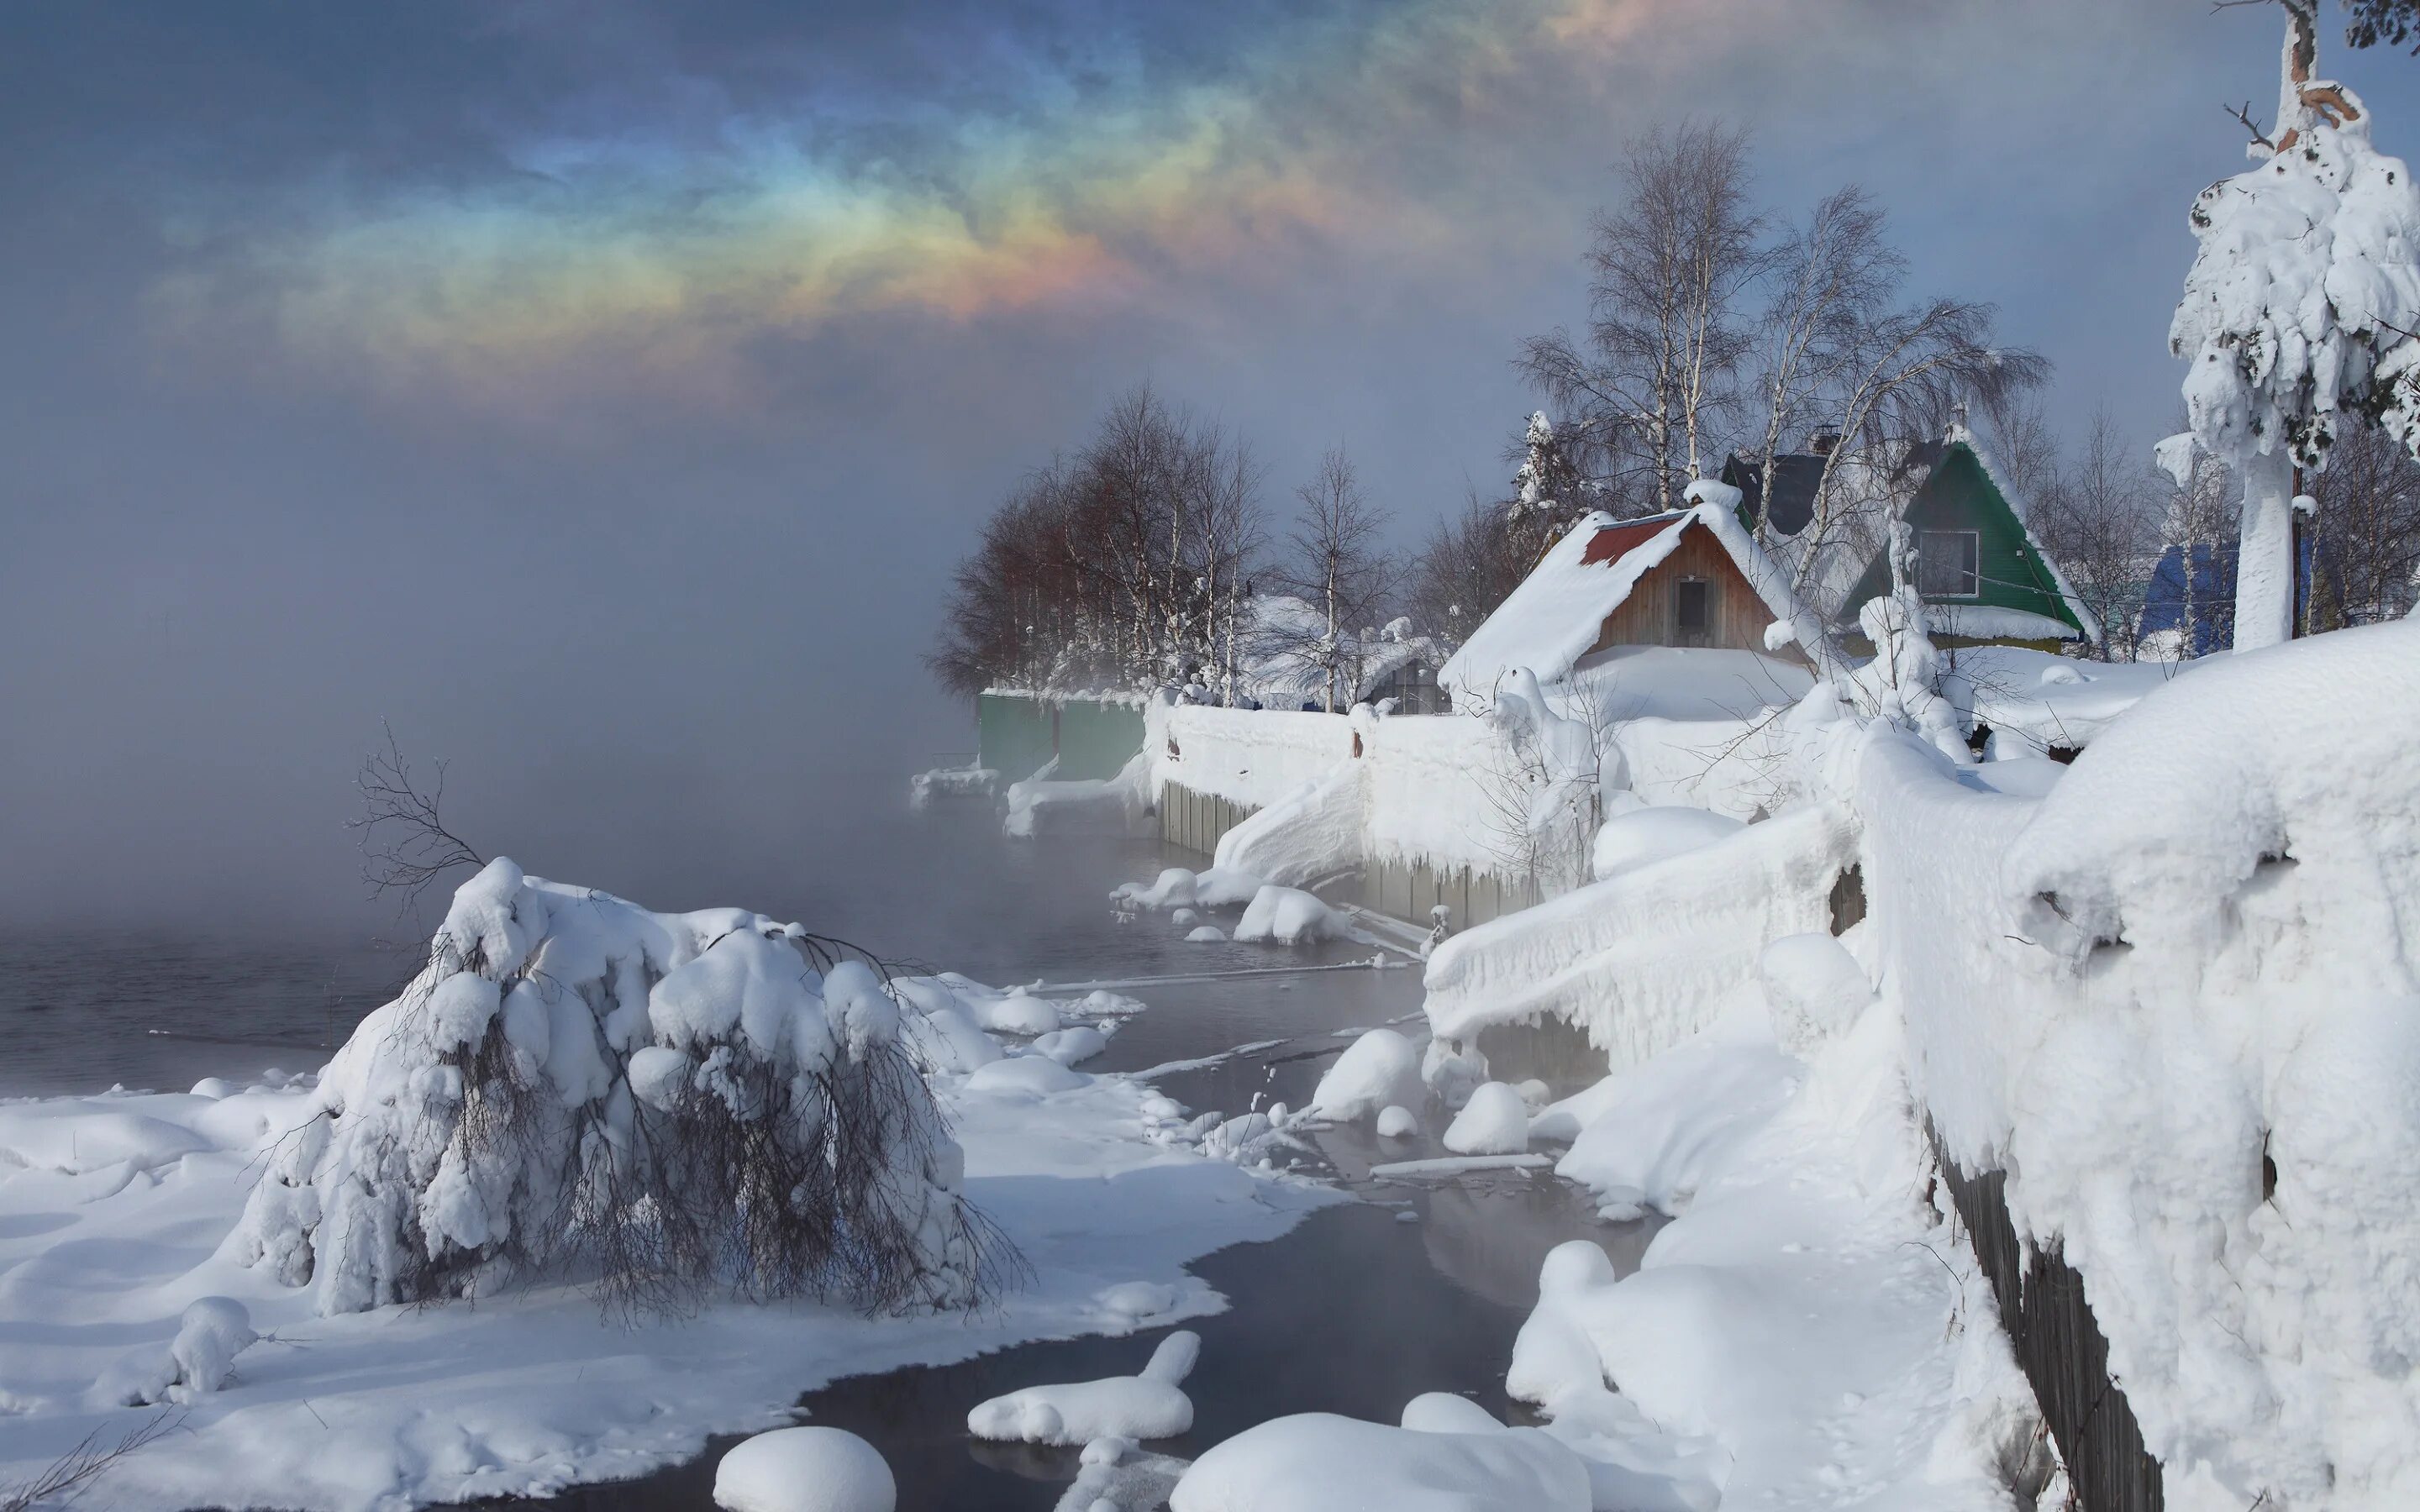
[2097, 517]
[1336, 565]
[1825, 279]
[1648, 397]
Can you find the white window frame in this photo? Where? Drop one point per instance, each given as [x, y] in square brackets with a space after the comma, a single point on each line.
[1972, 570]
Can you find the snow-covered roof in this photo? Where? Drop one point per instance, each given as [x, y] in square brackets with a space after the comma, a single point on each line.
[1555, 616]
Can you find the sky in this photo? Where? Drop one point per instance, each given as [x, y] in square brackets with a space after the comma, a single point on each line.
[601, 392]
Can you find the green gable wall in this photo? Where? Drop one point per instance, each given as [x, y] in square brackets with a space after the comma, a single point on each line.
[1960, 495]
[1092, 737]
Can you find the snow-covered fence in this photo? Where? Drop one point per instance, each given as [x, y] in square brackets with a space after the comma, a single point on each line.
[1431, 794]
[1643, 960]
[2178, 1003]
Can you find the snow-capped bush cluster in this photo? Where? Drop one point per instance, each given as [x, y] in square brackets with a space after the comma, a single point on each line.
[666, 1102]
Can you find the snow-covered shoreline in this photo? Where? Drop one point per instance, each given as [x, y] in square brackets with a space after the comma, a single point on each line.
[116, 1213]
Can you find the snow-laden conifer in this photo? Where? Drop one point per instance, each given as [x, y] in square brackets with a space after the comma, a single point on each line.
[663, 1103]
[2298, 314]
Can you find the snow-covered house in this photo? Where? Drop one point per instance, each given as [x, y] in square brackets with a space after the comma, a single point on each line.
[1984, 577]
[1692, 580]
[1287, 662]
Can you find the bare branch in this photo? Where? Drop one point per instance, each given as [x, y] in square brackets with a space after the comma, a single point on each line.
[404, 843]
[74, 1472]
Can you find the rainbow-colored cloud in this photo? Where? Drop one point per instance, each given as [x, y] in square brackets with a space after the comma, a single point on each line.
[1088, 187]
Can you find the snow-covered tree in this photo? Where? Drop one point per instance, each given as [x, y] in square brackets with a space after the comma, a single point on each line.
[2298, 314]
[663, 1103]
[1338, 568]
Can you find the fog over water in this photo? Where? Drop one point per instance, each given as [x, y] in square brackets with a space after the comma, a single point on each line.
[655, 571]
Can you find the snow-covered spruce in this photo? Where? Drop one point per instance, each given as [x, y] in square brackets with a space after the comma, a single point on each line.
[2296, 318]
[666, 1102]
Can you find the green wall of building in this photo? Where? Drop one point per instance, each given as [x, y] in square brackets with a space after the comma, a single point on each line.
[1091, 738]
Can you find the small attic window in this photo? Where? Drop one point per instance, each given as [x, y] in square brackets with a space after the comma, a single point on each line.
[1693, 611]
[1947, 564]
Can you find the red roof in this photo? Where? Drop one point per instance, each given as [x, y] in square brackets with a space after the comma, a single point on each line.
[1611, 542]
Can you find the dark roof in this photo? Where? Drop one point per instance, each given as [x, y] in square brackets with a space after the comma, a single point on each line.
[1795, 475]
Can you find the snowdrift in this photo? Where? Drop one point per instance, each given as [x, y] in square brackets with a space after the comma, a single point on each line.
[2178, 1001]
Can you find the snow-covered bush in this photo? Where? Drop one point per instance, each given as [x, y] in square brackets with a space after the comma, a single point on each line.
[209, 1334]
[663, 1102]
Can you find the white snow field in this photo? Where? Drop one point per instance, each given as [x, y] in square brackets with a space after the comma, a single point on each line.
[127, 1268]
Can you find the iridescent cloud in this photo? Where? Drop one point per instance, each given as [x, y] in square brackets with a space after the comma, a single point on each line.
[1089, 187]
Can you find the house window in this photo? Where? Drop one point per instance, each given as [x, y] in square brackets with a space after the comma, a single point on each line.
[1693, 611]
[1945, 564]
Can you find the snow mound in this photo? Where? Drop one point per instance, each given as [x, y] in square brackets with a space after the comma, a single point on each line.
[1204, 935]
[1396, 1121]
[1024, 1076]
[1494, 1122]
[1152, 1405]
[1139, 1299]
[1813, 990]
[1068, 1046]
[566, 1053]
[1319, 1462]
[1645, 835]
[1290, 916]
[1442, 1412]
[1378, 1070]
[1016, 1011]
[212, 1331]
[805, 1470]
[1296, 842]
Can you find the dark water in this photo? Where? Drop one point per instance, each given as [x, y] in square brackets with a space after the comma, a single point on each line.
[83, 1013]
[1353, 1312]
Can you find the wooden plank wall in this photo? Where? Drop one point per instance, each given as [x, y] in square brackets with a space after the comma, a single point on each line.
[1645, 618]
[2061, 1349]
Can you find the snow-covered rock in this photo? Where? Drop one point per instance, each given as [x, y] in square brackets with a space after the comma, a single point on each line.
[1204, 935]
[1290, 916]
[808, 1468]
[1152, 1405]
[1396, 1121]
[1377, 1071]
[1494, 1122]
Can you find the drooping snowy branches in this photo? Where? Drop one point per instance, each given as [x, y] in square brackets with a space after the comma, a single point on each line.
[2298, 314]
[663, 1102]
